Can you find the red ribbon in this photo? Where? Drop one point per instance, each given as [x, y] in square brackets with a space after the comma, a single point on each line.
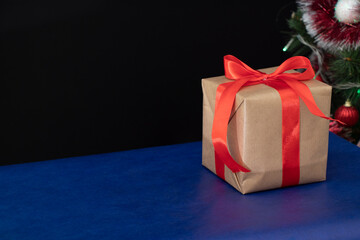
[290, 88]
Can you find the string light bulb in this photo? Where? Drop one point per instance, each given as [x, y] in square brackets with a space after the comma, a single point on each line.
[288, 45]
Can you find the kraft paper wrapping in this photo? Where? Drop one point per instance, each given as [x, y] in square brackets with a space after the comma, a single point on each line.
[254, 135]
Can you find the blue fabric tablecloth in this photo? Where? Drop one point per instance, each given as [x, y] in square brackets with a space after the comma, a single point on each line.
[165, 193]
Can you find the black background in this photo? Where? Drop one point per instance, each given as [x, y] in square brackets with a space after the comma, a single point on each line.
[84, 77]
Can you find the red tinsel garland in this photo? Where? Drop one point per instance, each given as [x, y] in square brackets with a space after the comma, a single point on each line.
[329, 33]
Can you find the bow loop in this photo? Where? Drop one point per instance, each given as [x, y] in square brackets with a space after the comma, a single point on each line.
[236, 69]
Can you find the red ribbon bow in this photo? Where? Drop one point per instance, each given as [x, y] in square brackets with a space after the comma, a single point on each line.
[290, 88]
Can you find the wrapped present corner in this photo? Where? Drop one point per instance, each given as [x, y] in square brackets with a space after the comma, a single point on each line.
[266, 129]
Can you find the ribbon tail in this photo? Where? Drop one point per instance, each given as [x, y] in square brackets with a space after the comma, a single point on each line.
[225, 96]
[303, 91]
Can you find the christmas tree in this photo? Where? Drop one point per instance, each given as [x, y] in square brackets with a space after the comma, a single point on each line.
[328, 32]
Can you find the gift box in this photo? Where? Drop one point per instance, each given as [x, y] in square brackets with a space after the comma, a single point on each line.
[274, 140]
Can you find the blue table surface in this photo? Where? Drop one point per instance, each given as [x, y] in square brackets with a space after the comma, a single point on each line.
[165, 193]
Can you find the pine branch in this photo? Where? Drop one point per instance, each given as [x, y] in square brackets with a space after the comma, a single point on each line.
[345, 69]
[297, 27]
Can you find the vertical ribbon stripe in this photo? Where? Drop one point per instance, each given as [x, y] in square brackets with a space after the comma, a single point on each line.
[290, 105]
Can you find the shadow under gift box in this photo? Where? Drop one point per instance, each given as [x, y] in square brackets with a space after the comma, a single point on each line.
[255, 134]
